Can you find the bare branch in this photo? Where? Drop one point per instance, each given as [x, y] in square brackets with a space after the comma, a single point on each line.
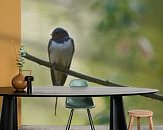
[70, 72]
[83, 76]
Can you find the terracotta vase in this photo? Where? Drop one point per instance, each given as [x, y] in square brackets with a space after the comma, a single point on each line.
[18, 82]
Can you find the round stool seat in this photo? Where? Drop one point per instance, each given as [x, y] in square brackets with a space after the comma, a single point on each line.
[140, 113]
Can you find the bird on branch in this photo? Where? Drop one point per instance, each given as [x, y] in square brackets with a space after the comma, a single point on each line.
[60, 50]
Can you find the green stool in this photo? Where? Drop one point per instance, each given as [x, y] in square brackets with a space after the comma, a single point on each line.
[79, 103]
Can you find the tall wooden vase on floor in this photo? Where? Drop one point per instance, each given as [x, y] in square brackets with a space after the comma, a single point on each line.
[18, 82]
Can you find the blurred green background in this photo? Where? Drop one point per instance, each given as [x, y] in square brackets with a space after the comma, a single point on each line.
[120, 41]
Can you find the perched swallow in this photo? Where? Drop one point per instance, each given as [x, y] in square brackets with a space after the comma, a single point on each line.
[60, 50]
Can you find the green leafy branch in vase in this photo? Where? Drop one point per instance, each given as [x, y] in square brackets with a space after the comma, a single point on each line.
[20, 58]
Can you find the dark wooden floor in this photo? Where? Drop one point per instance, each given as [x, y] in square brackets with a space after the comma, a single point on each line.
[100, 127]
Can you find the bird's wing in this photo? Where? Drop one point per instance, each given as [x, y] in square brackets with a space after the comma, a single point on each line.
[51, 70]
[67, 66]
[68, 63]
[72, 53]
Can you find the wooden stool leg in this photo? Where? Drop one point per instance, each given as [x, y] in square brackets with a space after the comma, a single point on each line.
[138, 123]
[150, 123]
[131, 123]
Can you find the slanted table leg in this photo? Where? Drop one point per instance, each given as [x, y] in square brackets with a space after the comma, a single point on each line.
[9, 113]
[117, 114]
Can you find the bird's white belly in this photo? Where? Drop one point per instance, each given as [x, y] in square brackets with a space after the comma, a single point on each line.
[61, 53]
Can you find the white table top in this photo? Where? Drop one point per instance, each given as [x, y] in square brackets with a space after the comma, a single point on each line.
[65, 91]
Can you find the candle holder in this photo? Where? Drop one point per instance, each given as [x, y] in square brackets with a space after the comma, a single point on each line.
[29, 80]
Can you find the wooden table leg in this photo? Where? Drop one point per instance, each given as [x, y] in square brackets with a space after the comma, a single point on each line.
[9, 113]
[117, 114]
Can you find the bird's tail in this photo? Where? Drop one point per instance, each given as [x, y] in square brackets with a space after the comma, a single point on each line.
[55, 111]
